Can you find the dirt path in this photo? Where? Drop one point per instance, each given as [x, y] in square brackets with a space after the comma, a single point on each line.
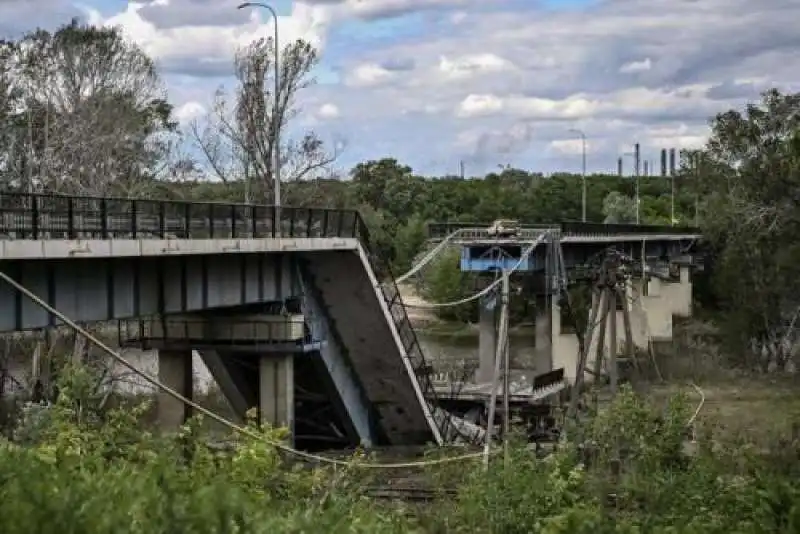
[417, 316]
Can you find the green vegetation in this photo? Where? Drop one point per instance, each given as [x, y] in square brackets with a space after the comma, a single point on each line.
[76, 470]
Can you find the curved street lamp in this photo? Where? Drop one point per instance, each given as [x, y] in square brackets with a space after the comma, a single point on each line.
[276, 155]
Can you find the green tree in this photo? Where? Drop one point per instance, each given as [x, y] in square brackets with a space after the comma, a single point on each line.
[408, 241]
[619, 208]
[750, 188]
[445, 282]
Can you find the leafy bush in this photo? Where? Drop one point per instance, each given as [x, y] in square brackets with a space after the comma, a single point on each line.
[625, 471]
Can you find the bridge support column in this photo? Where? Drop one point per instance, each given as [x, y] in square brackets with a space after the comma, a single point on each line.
[276, 390]
[685, 307]
[174, 371]
[487, 339]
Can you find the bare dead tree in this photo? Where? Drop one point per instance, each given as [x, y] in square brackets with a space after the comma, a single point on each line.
[238, 141]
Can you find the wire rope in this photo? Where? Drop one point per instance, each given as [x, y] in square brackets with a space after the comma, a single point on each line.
[525, 253]
[429, 256]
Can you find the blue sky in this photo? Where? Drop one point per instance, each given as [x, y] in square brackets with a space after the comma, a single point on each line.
[434, 82]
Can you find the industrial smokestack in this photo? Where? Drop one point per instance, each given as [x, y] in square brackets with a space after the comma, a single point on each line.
[619, 167]
[672, 162]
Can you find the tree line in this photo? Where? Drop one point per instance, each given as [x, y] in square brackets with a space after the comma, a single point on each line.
[84, 111]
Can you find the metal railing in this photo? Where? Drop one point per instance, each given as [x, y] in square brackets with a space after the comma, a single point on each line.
[291, 330]
[586, 228]
[568, 228]
[397, 310]
[43, 216]
[440, 230]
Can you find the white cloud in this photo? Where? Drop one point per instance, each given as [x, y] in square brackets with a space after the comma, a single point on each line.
[569, 147]
[368, 75]
[636, 66]
[370, 9]
[458, 17]
[189, 111]
[478, 105]
[328, 111]
[633, 102]
[211, 46]
[477, 64]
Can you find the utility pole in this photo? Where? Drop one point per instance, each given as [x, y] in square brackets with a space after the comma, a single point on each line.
[504, 300]
[636, 157]
[696, 175]
[499, 359]
[671, 183]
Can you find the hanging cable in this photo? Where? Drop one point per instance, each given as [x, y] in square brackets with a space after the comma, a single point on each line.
[429, 256]
[525, 253]
[214, 416]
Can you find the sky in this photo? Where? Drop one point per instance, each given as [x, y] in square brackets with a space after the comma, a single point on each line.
[485, 82]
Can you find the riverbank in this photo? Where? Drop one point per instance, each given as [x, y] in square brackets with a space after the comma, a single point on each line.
[427, 323]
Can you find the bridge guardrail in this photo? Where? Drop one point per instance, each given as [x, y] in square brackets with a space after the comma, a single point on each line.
[45, 216]
[438, 230]
[283, 331]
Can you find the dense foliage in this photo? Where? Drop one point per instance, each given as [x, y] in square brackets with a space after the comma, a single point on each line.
[76, 472]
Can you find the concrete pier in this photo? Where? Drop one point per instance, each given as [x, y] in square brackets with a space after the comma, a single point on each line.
[174, 371]
[276, 390]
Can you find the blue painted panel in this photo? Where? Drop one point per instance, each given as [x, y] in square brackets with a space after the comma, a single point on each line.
[473, 260]
[494, 264]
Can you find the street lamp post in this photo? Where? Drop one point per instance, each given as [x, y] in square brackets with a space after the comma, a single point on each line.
[583, 171]
[276, 147]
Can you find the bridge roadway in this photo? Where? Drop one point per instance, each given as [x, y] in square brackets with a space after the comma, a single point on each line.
[146, 262]
[579, 241]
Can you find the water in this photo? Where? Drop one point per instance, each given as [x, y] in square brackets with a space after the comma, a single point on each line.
[443, 350]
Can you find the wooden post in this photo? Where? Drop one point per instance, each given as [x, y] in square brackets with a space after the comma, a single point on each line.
[612, 342]
[584, 345]
[601, 337]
